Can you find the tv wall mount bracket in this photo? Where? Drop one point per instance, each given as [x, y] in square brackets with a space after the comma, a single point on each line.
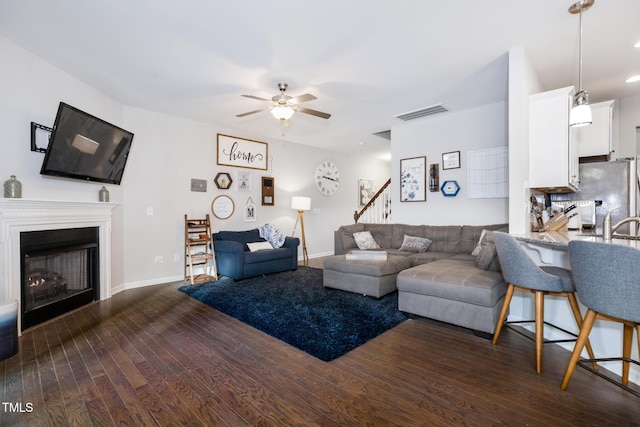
[40, 136]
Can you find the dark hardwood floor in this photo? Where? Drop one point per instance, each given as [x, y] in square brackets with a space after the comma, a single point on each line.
[154, 356]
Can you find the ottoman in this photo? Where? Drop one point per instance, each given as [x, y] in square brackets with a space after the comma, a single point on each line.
[368, 277]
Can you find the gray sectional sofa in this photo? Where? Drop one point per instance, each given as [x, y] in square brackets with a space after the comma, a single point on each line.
[446, 282]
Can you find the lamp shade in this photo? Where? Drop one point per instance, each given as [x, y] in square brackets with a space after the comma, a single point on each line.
[301, 203]
[282, 112]
[580, 115]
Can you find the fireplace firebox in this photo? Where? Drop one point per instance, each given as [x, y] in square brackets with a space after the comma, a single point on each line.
[60, 272]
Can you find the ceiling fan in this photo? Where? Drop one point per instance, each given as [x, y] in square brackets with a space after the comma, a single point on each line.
[283, 106]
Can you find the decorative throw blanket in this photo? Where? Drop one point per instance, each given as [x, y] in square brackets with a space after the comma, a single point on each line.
[272, 235]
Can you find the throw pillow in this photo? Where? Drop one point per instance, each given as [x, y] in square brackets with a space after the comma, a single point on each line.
[487, 259]
[259, 246]
[272, 235]
[478, 248]
[415, 244]
[365, 240]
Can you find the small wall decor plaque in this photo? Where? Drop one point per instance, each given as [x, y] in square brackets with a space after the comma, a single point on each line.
[199, 185]
[223, 180]
[451, 160]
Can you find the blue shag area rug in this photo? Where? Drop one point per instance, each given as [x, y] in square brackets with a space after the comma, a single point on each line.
[294, 307]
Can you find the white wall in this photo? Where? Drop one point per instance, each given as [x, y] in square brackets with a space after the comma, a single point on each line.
[166, 153]
[31, 91]
[169, 151]
[475, 129]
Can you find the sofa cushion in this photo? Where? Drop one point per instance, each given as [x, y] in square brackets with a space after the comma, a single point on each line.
[454, 279]
[381, 233]
[243, 237]
[415, 244]
[429, 256]
[365, 240]
[266, 256]
[346, 235]
[446, 238]
[392, 265]
[401, 230]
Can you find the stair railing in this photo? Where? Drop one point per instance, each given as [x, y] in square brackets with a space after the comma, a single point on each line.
[378, 209]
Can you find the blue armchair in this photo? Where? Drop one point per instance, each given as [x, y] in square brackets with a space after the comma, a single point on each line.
[234, 259]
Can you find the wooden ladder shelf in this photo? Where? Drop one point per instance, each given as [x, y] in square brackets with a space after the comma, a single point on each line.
[199, 252]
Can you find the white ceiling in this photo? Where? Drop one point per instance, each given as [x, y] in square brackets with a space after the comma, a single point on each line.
[365, 60]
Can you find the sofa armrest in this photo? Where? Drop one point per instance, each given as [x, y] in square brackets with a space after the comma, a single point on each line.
[291, 243]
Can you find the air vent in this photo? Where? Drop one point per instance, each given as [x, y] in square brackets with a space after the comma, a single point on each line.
[386, 134]
[423, 112]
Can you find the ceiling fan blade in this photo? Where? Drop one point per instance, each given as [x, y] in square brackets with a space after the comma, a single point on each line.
[313, 112]
[302, 98]
[251, 112]
[256, 97]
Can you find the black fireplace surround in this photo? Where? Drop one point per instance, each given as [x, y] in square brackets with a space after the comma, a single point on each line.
[60, 272]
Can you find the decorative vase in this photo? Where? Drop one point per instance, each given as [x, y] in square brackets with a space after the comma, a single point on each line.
[103, 194]
[12, 188]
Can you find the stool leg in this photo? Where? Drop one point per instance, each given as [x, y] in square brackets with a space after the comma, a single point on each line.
[627, 337]
[573, 302]
[503, 314]
[539, 309]
[587, 324]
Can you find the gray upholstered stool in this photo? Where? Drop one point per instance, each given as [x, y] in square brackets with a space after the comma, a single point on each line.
[607, 279]
[368, 277]
[8, 328]
[523, 274]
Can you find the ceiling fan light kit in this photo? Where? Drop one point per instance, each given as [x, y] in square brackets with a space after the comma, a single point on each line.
[282, 112]
[580, 114]
[283, 106]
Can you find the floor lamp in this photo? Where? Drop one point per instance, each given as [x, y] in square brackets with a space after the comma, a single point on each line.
[301, 204]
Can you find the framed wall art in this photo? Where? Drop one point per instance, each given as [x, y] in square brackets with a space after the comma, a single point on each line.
[222, 207]
[242, 153]
[365, 191]
[249, 214]
[451, 160]
[244, 181]
[413, 179]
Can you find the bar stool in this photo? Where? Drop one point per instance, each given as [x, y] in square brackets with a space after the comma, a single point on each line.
[521, 273]
[8, 328]
[607, 277]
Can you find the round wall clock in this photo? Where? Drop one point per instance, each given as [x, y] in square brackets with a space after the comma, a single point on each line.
[327, 178]
[222, 207]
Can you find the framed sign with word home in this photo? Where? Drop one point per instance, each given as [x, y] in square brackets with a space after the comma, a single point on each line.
[242, 153]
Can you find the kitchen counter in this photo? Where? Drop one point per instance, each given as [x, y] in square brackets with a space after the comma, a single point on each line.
[561, 239]
[551, 248]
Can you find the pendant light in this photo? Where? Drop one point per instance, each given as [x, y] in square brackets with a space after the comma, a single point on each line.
[580, 114]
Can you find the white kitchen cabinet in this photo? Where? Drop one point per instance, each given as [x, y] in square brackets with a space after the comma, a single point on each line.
[597, 138]
[553, 156]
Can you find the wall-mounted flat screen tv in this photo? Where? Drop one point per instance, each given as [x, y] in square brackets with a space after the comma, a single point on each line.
[85, 147]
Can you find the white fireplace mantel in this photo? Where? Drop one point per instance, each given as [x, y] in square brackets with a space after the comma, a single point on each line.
[24, 215]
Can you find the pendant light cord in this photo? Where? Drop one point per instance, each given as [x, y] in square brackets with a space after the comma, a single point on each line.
[580, 51]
